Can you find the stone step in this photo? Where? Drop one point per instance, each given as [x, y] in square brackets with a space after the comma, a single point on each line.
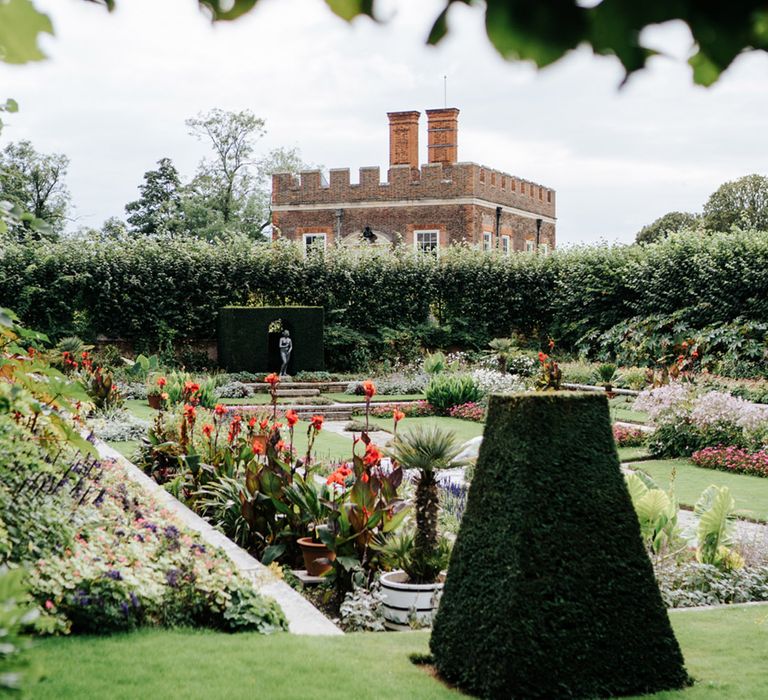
[298, 392]
[322, 387]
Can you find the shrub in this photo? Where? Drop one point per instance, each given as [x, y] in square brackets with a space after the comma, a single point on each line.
[541, 601]
[447, 390]
[233, 390]
[692, 584]
[489, 381]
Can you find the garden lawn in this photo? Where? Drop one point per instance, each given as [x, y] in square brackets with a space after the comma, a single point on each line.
[633, 454]
[125, 447]
[750, 492]
[723, 648]
[464, 429]
[621, 410]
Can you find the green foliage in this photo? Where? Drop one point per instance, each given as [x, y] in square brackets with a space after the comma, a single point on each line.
[182, 387]
[16, 614]
[445, 391]
[434, 363]
[427, 450]
[542, 599]
[607, 374]
[35, 183]
[158, 209]
[656, 511]
[617, 304]
[716, 510]
[664, 226]
[742, 203]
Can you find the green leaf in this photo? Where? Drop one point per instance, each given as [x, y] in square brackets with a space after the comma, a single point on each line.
[349, 9]
[20, 27]
[224, 10]
[272, 552]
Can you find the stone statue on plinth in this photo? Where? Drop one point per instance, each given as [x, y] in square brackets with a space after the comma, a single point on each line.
[286, 348]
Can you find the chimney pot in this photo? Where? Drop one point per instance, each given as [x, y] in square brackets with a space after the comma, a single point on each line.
[404, 138]
[442, 132]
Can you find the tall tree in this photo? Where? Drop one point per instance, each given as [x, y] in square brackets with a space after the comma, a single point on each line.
[226, 179]
[672, 222]
[158, 210]
[35, 182]
[742, 203]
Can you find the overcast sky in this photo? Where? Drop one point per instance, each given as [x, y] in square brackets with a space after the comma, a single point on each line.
[117, 89]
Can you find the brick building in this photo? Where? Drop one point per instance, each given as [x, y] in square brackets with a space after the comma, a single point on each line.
[428, 207]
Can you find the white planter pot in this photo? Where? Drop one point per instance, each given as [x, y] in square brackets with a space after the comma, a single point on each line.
[404, 602]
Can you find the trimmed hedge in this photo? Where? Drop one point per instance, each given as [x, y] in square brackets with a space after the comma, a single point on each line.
[154, 291]
[550, 592]
[244, 338]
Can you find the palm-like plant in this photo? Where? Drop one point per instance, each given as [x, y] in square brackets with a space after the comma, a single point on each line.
[426, 450]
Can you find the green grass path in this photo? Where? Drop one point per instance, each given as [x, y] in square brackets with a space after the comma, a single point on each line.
[724, 651]
[750, 492]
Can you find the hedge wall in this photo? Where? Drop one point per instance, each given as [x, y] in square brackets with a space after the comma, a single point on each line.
[550, 593]
[149, 291]
[243, 338]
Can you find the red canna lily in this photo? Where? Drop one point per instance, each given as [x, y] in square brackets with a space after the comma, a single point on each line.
[398, 415]
[161, 382]
[291, 417]
[369, 389]
[317, 423]
[272, 379]
[207, 430]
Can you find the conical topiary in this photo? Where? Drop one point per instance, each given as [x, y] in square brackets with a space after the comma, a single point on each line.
[550, 593]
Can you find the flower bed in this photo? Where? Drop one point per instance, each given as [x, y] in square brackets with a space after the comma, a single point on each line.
[629, 437]
[468, 411]
[411, 409]
[732, 459]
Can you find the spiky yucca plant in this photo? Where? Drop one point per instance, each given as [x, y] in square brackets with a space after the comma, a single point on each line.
[426, 450]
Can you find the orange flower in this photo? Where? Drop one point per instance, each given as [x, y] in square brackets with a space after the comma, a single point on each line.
[543, 357]
[252, 422]
[164, 396]
[317, 423]
[369, 389]
[191, 387]
[272, 379]
[280, 445]
[219, 409]
[190, 413]
[695, 353]
[258, 447]
[398, 415]
[263, 424]
[161, 382]
[292, 417]
[372, 455]
[207, 430]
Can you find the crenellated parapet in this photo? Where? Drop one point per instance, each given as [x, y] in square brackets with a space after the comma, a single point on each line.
[433, 181]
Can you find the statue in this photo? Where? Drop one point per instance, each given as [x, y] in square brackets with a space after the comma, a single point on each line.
[286, 348]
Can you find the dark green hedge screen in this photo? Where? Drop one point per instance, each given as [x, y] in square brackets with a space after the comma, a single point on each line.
[245, 344]
[550, 593]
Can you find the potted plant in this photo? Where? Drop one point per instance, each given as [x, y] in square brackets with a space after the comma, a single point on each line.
[607, 374]
[412, 589]
[312, 500]
[156, 394]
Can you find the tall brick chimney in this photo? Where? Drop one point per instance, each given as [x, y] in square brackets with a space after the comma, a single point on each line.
[404, 138]
[442, 132]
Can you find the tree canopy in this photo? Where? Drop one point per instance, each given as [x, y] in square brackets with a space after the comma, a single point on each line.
[542, 32]
[672, 222]
[742, 203]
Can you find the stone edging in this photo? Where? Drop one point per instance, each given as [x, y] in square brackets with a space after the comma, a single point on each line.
[699, 608]
[303, 617]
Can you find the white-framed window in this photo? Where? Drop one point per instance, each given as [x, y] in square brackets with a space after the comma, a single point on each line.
[487, 240]
[530, 246]
[506, 245]
[314, 241]
[427, 241]
[544, 248]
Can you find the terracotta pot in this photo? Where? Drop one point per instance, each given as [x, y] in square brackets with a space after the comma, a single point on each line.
[155, 401]
[404, 601]
[316, 556]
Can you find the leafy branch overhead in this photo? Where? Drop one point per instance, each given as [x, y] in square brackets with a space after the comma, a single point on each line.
[542, 31]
